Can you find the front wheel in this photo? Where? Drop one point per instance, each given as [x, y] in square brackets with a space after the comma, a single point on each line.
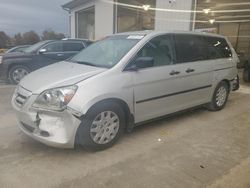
[101, 127]
[16, 73]
[220, 97]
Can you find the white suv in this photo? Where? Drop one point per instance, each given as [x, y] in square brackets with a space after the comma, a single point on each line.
[121, 81]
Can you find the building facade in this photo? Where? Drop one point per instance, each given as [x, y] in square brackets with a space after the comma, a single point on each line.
[94, 19]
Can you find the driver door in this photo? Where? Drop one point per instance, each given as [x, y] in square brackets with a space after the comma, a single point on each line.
[52, 53]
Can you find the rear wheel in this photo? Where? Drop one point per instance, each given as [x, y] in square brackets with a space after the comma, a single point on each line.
[16, 73]
[101, 127]
[220, 97]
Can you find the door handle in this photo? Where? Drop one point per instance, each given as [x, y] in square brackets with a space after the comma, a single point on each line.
[59, 55]
[189, 70]
[174, 73]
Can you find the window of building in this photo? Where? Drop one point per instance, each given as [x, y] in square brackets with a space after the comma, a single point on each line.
[129, 18]
[85, 23]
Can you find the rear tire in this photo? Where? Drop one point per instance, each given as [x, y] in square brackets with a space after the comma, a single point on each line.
[17, 72]
[101, 127]
[220, 97]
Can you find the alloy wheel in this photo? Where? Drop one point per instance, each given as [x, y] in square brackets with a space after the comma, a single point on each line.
[105, 127]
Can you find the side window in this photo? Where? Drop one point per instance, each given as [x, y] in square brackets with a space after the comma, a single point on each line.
[54, 47]
[72, 46]
[190, 48]
[160, 49]
[219, 47]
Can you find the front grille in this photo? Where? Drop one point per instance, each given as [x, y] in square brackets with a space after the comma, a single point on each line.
[21, 96]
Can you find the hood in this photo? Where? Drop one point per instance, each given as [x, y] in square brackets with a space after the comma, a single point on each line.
[58, 75]
[16, 55]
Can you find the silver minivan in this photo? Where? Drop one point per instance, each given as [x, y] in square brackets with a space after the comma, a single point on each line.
[121, 81]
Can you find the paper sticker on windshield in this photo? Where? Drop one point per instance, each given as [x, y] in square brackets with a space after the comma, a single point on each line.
[137, 37]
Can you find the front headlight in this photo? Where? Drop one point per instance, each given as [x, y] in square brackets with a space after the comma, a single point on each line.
[55, 99]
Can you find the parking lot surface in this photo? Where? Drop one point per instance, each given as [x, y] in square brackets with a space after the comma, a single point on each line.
[194, 149]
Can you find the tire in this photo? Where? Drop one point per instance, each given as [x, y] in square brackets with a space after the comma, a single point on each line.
[87, 135]
[217, 103]
[17, 72]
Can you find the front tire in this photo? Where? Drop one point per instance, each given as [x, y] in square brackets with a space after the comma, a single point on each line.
[101, 127]
[18, 72]
[220, 97]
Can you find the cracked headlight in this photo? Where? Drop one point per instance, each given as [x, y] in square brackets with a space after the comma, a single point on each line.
[55, 99]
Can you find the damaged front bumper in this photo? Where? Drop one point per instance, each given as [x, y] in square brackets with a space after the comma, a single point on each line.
[57, 129]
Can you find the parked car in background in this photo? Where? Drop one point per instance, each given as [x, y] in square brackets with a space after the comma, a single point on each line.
[20, 48]
[14, 66]
[124, 80]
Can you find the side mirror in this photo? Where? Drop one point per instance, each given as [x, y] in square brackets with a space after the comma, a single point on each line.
[140, 63]
[144, 62]
[42, 51]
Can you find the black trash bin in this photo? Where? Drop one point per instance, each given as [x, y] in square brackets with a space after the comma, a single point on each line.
[246, 73]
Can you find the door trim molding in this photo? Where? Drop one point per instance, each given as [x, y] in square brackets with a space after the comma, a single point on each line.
[172, 94]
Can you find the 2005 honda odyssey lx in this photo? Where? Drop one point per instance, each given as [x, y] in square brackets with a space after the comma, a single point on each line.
[123, 80]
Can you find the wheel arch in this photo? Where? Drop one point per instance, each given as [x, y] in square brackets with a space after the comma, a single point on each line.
[129, 116]
[16, 64]
[227, 82]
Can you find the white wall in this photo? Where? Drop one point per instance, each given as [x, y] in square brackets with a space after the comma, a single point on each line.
[72, 25]
[103, 19]
[230, 30]
[173, 20]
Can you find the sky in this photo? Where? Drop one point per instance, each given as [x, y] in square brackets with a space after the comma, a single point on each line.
[25, 15]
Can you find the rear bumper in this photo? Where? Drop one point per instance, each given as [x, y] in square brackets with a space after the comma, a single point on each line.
[235, 83]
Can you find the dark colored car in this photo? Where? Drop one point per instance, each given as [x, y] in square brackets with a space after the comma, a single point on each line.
[20, 48]
[15, 66]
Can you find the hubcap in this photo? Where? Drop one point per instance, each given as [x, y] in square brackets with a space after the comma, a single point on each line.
[18, 74]
[221, 96]
[104, 127]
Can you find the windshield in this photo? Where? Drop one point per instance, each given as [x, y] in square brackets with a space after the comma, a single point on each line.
[108, 52]
[34, 47]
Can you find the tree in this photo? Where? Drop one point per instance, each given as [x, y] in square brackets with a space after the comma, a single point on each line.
[51, 35]
[4, 40]
[18, 39]
[30, 37]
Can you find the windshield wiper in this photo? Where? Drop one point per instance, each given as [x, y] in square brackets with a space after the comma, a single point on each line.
[87, 63]
[82, 63]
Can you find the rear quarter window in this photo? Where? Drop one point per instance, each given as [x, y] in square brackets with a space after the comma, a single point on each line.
[218, 47]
